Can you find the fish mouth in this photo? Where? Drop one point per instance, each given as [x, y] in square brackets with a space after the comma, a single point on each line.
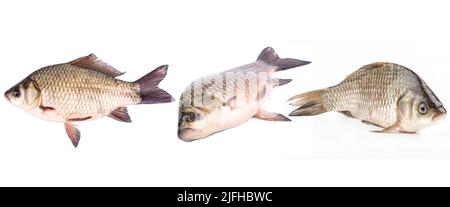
[6, 96]
[188, 134]
[440, 115]
[442, 110]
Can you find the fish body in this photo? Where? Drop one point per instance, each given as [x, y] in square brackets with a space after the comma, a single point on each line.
[76, 93]
[227, 99]
[383, 94]
[84, 89]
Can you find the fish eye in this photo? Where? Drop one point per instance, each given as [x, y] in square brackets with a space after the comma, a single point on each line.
[189, 117]
[16, 93]
[423, 108]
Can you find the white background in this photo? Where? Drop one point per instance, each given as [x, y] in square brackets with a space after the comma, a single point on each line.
[197, 38]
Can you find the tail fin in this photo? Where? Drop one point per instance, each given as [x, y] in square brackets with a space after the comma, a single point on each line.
[150, 92]
[269, 56]
[311, 103]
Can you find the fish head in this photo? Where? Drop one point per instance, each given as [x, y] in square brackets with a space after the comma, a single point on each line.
[26, 94]
[420, 109]
[194, 123]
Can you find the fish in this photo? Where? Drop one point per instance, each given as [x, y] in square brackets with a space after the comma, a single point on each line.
[227, 99]
[386, 95]
[84, 89]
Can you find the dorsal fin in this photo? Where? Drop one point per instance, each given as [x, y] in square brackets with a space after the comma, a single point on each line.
[371, 66]
[374, 65]
[91, 62]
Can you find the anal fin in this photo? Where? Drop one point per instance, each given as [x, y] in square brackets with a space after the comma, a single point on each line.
[270, 116]
[279, 82]
[120, 114]
[370, 123]
[73, 133]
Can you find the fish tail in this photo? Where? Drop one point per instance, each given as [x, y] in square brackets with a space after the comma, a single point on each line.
[311, 103]
[149, 90]
[269, 56]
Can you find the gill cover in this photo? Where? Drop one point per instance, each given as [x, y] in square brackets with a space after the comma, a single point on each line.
[25, 94]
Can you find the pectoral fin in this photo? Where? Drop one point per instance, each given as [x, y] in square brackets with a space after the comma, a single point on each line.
[269, 116]
[394, 128]
[347, 114]
[120, 114]
[46, 108]
[73, 133]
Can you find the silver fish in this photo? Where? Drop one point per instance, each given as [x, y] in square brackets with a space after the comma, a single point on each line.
[387, 95]
[224, 100]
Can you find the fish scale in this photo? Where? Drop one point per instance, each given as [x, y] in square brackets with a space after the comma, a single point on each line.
[383, 94]
[370, 94]
[78, 93]
[234, 85]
